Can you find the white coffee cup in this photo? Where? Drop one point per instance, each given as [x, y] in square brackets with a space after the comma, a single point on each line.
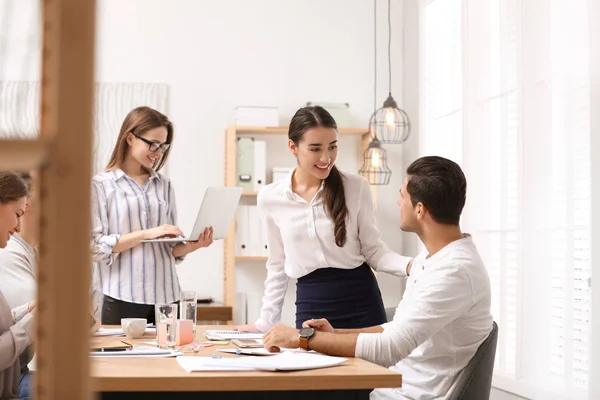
[134, 327]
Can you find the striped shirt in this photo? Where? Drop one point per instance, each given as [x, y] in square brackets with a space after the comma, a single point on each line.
[144, 274]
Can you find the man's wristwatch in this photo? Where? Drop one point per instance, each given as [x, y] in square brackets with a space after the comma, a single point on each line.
[305, 334]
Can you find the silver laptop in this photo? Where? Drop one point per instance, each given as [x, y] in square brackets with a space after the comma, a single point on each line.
[217, 210]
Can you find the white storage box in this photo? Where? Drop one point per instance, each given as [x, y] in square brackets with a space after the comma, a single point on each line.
[281, 172]
[339, 112]
[256, 116]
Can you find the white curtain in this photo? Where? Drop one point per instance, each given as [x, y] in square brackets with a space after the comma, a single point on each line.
[506, 93]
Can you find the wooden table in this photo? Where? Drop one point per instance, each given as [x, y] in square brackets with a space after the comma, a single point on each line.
[158, 378]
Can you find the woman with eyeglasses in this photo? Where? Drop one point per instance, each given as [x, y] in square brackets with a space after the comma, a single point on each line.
[132, 202]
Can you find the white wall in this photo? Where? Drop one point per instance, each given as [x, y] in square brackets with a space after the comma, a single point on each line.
[20, 40]
[218, 54]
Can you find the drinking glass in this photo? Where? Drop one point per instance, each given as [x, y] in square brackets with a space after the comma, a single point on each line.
[166, 324]
[189, 304]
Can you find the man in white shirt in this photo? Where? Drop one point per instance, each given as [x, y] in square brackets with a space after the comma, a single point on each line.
[444, 314]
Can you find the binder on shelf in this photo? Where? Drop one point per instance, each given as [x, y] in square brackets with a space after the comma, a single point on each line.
[260, 164]
[254, 234]
[264, 248]
[244, 163]
[242, 232]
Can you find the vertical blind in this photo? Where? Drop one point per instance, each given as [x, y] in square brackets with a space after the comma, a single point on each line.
[506, 93]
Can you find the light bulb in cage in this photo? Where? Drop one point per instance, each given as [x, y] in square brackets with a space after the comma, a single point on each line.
[375, 168]
[375, 157]
[389, 123]
[390, 118]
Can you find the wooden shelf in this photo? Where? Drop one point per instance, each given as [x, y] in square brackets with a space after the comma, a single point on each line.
[279, 130]
[251, 258]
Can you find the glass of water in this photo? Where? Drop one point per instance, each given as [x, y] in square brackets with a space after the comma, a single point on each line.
[166, 324]
[189, 304]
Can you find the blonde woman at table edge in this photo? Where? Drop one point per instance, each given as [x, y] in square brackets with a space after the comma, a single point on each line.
[132, 202]
[321, 230]
[16, 325]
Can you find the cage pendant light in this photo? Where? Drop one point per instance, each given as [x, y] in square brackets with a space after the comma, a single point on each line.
[390, 123]
[375, 168]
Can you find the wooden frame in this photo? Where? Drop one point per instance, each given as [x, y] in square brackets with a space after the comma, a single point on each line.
[63, 154]
[231, 133]
[67, 109]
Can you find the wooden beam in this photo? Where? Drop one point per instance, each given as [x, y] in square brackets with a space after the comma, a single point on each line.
[64, 271]
[22, 155]
[229, 245]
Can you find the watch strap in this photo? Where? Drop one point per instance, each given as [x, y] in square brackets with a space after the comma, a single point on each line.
[304, 343]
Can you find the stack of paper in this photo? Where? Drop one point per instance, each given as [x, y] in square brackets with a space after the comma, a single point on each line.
[109, 332]
[195, 364]
[250, 352]
[262, 351]
[137, 352]
[286, 361]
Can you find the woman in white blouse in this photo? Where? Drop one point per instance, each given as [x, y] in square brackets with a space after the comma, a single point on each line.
[16, 325]
[131, 202]
[321, 229]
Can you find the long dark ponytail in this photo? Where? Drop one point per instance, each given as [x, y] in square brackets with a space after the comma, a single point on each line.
[335, 199]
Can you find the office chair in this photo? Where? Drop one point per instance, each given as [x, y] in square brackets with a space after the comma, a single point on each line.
[475, 381]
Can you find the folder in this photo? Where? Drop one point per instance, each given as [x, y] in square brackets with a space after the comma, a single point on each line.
[254, 232]
[244, 163]
[242, 231]
[264, 247]
[260, 164]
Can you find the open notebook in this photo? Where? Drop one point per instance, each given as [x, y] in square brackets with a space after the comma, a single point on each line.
[229, 335]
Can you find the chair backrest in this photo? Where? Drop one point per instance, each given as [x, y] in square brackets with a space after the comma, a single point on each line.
[389, 313]
[475, 381]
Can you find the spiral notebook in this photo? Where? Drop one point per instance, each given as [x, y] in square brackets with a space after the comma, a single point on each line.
[229, 335]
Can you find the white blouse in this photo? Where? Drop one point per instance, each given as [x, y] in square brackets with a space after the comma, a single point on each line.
[300, 238]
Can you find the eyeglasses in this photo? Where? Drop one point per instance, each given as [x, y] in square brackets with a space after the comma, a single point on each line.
[154, 146]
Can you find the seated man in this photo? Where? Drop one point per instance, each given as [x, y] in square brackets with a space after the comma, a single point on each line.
[444, 314]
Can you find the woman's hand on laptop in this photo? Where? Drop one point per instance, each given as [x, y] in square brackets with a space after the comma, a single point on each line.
[205, 240]
[162, 231]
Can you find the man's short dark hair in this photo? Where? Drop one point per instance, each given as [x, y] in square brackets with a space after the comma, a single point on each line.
[440, 185]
